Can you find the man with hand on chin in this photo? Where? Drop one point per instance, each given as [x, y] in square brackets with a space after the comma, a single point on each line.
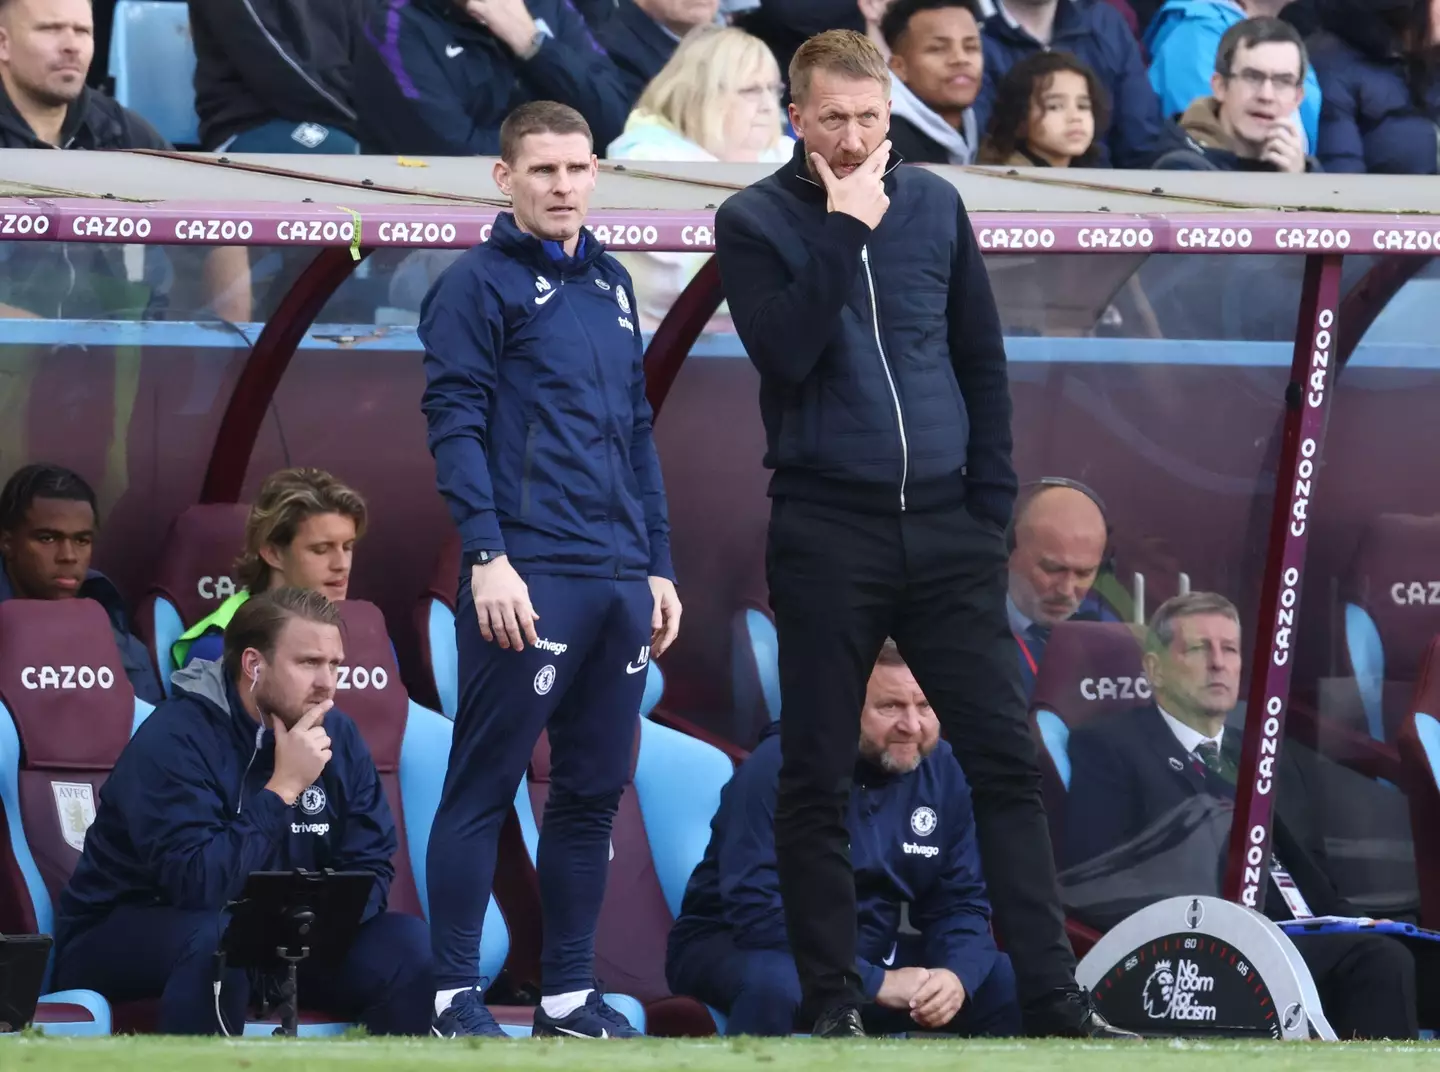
[437, 77]
[535, 401]
[859, 292]
[246, 768]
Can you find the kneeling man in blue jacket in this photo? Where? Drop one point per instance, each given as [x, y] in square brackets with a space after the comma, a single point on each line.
[247, 768]
[912, 843]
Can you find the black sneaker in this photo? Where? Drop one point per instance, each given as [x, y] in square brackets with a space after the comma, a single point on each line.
[594, 1019]
[467, 1016]
[843, 1021]
[1071, 1013]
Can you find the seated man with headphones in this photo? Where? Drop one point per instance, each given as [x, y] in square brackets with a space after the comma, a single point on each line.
[1059, 544]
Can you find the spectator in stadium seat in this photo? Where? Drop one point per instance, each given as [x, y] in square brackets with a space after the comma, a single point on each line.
[717, 99]
[1249, 124]
[249, 767]
[1046, 112]
[1376, 62]
[1058, 538]
[1184, 42]
[1130, 771]
[641, 35]
[438, 76]
[273, 76]
[938, 62]
[1097, 35]
[912, 837]
[48, 521]
[301, 533]
[45, 51]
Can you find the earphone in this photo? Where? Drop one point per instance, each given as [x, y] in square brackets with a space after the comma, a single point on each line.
[1033, 489]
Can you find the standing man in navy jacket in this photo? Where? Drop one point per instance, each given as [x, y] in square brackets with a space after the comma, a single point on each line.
[913, 847]
[858, 290]
[535, 398]
[247, 768]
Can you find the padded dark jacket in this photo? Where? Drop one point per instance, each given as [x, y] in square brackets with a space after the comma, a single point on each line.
[912, 841]
[430, 80]
[185, 816]
[882, 368]
[258, 60]
[1370, 120]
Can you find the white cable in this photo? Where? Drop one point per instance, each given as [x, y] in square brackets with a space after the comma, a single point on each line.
[220, 1018]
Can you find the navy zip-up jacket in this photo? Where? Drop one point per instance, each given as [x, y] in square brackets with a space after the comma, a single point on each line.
[185, 816]
[134, 655]
[1097, 34]
[535, 401]
[912, 841]
[883, 384]
[430, 80]
[638, 44]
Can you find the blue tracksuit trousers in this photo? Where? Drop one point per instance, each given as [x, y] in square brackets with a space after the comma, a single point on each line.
[583, 683]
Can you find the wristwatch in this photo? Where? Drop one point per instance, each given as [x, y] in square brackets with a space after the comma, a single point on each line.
[472, 559]
[533, 49]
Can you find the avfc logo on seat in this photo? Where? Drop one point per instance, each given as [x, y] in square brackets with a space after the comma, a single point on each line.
[312, 801]
[922, 821]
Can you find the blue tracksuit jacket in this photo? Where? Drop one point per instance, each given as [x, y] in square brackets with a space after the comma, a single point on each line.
[185, 815]
[937, 872]
[535, 399]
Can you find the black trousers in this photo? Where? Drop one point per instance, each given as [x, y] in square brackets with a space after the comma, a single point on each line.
[1366, 983]
[840, 583]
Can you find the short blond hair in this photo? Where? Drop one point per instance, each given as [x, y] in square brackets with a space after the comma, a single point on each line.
[709, 62]
[842, 52]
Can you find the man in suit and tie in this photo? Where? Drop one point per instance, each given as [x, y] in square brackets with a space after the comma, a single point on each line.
[1132, 770]
[1057, 548]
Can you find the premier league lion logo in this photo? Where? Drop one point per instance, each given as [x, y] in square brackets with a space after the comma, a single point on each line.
[1159, 993]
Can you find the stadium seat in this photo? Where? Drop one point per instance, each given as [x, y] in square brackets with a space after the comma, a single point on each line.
[194, 576]
[152, 60]
[435, 625]
[755, 671]
[1392, 609]
[65, 719]
[660, 833]
[1418, 741]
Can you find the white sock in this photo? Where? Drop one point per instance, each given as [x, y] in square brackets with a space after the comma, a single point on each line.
[562, 1005]
[443, 998]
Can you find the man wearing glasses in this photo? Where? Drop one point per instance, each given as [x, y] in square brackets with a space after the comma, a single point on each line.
[1248, 123]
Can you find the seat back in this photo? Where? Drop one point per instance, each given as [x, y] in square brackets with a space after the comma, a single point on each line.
[152, 59]
[371, 693]
[1392, 593]
[68, 711]
[194, 577]
[435, 624]
[1418, 741]
[754, 672]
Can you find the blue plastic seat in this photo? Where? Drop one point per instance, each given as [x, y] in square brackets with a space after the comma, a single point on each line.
[152, 59]
[755, 670]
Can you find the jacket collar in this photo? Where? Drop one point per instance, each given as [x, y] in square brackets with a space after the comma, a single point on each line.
[1070, 22]
[76, 115]
[209, 683]
[795, 176]
[655, 37]
[96, 586]
[506, 236]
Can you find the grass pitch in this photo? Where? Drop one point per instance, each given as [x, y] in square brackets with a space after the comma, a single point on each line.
[29, 1053]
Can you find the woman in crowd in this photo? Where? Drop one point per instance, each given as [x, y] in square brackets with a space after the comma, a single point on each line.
[717, 99]
[1376, 62]
[1047, 109]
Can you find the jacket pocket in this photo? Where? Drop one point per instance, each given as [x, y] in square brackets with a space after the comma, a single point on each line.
[525, 470]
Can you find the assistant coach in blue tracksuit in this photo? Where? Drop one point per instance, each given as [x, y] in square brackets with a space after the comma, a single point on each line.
[535, 398]
[912, 843]
[246, 768]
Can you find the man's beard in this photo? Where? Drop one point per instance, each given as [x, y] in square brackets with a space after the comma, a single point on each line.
[49, 98]
[881, 757]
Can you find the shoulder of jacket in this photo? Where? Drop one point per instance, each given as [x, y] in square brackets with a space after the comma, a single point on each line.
[924, 185]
